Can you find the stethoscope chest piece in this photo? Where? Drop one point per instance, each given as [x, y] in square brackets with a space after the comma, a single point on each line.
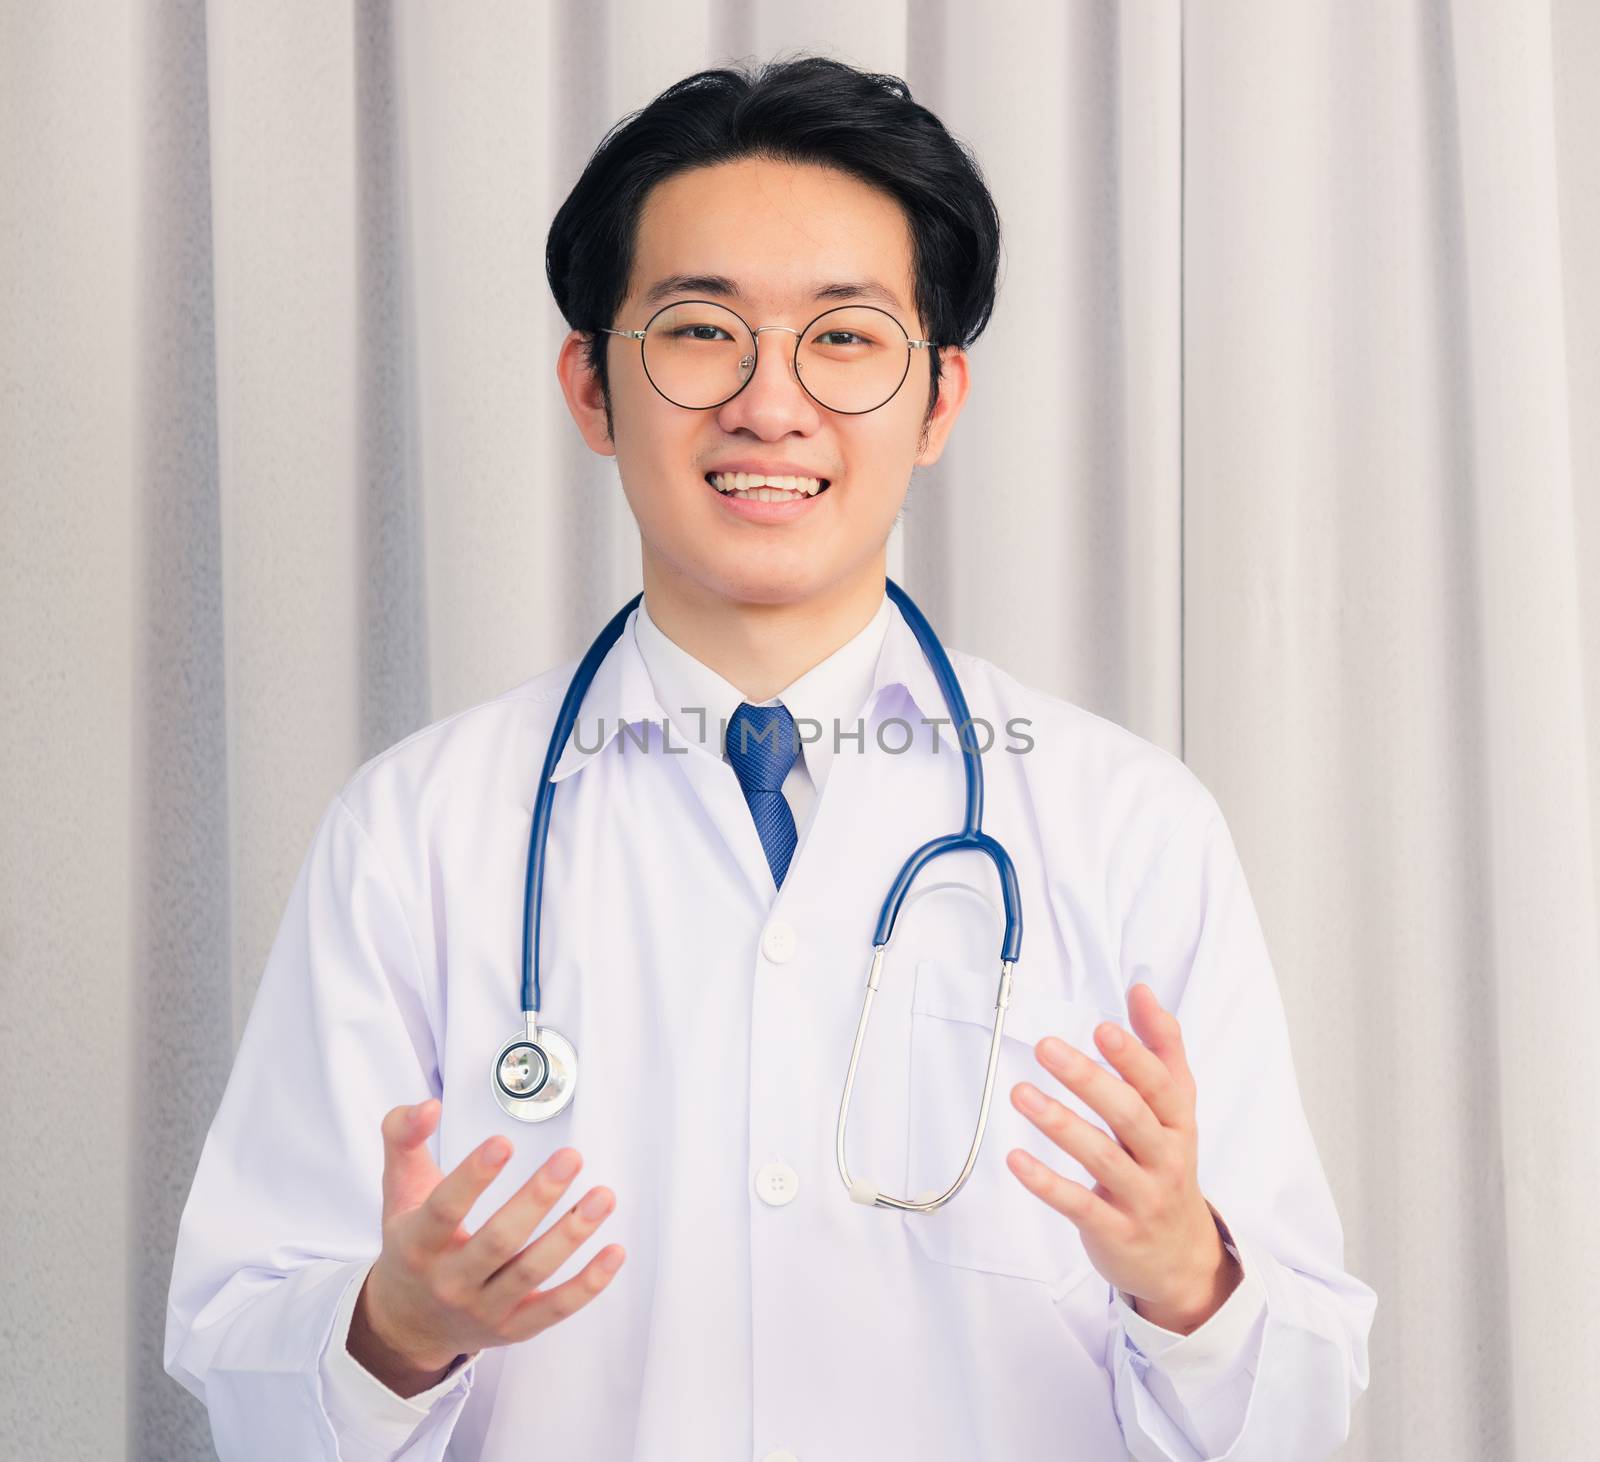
[535, 1074]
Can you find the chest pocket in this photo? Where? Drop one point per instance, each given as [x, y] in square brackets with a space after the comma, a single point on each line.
[993, 1223]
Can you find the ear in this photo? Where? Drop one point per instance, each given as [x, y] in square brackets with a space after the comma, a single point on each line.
[954, 384]
[585, 400]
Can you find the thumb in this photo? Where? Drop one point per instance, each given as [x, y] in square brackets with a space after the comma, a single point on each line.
[409, 1171]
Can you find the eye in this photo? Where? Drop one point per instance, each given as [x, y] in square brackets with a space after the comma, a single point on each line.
[687, 331]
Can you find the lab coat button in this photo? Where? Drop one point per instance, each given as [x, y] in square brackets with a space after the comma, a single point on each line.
[779, 942]
[777, 1183]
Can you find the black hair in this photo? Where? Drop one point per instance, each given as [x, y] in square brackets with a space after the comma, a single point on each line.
[809, 109]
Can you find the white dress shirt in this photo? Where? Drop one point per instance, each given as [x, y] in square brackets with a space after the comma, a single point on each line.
[834, 692]
[786, 1322]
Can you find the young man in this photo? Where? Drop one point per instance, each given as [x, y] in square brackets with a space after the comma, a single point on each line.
[774, 276]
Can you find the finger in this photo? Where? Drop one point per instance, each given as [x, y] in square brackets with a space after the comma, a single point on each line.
[506, 1230]
[438, 1219]
[1099, 1153]
[1150, 1076]
[409, 1171]
[545, 1307]
[1090, 1212]
[1126, 1112]
[510, 1284]
[1159, 1029]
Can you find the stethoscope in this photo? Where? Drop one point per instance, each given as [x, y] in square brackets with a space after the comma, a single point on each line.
[536, 1071]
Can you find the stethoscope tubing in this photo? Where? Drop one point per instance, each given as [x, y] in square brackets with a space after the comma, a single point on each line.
[538, 835]
[970, 837]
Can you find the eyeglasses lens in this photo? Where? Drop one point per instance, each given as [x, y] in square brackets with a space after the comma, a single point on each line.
[851, 360]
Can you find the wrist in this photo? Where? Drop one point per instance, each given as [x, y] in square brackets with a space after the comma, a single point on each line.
[1203, 1297]
[1189, 1314]
[404, 1369]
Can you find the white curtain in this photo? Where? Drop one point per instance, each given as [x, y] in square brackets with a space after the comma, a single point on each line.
[1282, 451]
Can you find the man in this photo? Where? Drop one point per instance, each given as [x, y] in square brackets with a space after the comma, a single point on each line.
[1145, 1257]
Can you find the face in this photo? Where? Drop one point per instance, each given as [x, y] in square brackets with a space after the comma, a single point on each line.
[778, 232]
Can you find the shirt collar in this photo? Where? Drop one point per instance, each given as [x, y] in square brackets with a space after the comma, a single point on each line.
[644, 669]
[837, 692]
[698, 701]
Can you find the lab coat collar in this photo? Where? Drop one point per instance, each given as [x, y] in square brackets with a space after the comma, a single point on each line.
[901, 662]
[622, 694]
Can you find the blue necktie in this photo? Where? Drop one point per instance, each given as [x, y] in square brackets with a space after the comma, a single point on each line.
[762, 745]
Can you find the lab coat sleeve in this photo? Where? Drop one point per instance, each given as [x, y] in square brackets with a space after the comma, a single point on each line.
[1275, 1372]
[285, 1211]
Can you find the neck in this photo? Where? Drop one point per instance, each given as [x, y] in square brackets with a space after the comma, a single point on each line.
[761, 648]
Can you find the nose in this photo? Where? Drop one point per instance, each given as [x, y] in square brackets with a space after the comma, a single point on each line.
[772, 401]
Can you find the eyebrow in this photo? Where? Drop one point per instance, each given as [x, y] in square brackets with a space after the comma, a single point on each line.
[719, 284]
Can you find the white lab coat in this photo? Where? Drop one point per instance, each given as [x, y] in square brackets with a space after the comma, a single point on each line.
[760, 1313]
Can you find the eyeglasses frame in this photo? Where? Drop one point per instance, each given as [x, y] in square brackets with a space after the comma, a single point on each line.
[755, 332]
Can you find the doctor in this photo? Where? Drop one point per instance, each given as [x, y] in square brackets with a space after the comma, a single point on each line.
[377, 1261]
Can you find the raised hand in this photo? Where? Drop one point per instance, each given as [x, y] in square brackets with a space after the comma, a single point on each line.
[1146, 1226]
[436, 1291]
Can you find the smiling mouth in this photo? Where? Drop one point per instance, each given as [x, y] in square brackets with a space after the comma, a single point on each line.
[765, 493]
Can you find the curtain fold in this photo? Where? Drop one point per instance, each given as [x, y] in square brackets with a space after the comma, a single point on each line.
[1281, 451]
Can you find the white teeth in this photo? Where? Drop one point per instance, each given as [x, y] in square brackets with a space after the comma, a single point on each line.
[757, 487]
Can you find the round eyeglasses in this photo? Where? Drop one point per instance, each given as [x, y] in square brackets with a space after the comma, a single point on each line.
[700, 355]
